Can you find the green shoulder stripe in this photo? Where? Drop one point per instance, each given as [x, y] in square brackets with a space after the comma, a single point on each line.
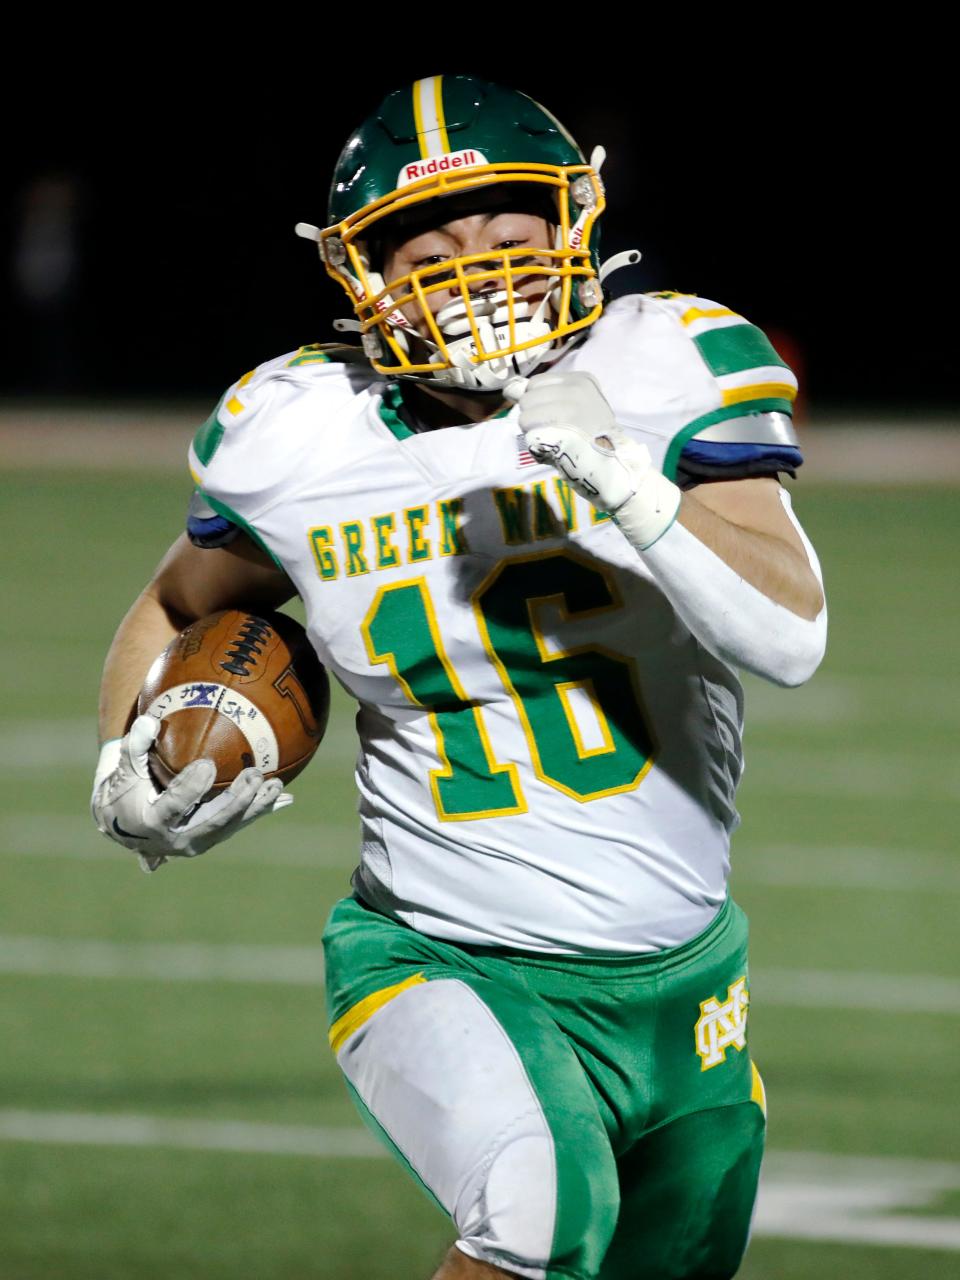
[772, 404]
[228, 513]
[736, 348]
[208, 437]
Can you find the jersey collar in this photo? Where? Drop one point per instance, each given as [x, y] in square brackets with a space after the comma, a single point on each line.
[401, 422]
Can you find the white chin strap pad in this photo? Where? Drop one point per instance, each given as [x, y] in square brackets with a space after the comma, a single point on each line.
[491, 314]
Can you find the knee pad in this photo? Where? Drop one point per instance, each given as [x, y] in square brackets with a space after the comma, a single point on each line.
[530, 1215]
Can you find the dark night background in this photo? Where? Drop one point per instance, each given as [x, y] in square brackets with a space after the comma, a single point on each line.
[803, 198]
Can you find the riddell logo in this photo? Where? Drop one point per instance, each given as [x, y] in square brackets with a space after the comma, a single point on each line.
[440, 164]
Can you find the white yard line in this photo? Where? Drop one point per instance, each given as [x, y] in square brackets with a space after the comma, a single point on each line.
[35, 745]
[840, 771]
[803, 1195]
[334, 846]
[893, 993]
[49, 744]
[849, 1199]
[303, 966]
[49, 747]
[827, 700]
[860, 698]
[90, 1129]
[847, 867]
[161, 961]
[325, 845]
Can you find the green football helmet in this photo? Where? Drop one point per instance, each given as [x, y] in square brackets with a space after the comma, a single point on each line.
[448, 136]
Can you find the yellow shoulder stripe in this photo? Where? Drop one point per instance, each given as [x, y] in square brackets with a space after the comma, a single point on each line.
[705, 313]
[364, 1009]
[760, 391]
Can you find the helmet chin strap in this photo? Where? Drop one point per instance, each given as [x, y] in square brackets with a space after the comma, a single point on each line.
[491, 316]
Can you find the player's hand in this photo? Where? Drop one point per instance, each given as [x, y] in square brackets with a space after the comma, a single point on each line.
[173, 823]
[567, 422]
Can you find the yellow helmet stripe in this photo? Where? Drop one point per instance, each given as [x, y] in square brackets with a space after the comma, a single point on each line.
[428, 117]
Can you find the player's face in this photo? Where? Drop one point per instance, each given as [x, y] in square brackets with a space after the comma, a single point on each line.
[476, 233]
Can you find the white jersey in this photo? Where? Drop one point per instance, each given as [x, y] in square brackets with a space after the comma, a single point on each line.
[547, 758]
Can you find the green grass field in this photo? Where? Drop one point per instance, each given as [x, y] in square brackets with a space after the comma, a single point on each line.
[168, 1103]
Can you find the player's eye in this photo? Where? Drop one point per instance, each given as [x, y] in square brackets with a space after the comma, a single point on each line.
[524, 260]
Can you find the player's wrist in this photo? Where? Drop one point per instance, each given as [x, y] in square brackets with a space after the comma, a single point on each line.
[107, 761]
[646, 516]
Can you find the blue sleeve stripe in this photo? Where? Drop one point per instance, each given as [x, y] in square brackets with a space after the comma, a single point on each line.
[717, 454]
[212, 526]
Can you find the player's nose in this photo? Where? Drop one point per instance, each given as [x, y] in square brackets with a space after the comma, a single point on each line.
[489, 285]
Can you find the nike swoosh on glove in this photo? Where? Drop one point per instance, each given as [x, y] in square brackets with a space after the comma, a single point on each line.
[568, 423]
[174, 823]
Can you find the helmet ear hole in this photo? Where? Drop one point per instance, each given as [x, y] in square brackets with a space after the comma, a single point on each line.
[372, 253]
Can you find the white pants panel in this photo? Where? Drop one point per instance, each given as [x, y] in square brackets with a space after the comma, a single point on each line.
[443, 1079]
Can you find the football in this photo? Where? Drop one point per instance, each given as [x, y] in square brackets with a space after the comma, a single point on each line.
[239, 689]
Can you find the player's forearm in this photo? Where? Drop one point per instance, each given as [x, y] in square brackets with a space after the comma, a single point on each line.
[733, 619]
[775, 568]
[146, 630]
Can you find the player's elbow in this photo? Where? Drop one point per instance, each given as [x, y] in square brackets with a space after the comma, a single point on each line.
[795, 651]
[798, 670]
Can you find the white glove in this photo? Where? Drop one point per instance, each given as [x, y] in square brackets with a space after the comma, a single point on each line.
[567, 422]
[172, 823]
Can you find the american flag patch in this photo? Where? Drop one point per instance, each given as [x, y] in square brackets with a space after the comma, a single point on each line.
[524, 457]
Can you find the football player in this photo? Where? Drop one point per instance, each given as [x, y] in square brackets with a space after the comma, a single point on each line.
[536, 533]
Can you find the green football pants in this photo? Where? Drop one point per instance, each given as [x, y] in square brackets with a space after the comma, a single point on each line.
[575, 1117]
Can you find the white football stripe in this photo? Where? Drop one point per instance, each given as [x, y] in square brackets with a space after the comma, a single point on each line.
[233, 706]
